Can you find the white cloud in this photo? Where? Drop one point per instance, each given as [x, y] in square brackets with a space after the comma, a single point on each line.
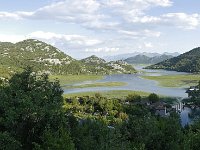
[104, 49]
[182, 20]
[11, 38]
[116, 24]
[7, 15]
[150, 33]
[139, 34]
[145, 45]
[74, 40]
[178, 20]
[109, 14]
[70, 11]
[137, 4]
[163, 3]
[148, 45]
[89, 12]
[144, 19]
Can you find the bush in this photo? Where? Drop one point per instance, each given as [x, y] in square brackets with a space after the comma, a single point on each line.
[153, 98]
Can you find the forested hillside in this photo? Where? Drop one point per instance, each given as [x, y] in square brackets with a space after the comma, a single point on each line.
[98, 65]
[187, 62]
[41, 56]
[45, 58]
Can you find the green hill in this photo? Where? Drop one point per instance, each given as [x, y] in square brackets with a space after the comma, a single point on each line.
[100, 66]
[41, 56]
[187, 62]
[45, 58]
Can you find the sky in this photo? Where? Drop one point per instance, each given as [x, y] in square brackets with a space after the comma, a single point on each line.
[81, 28]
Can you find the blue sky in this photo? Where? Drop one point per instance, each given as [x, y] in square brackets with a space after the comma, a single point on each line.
[103, 27]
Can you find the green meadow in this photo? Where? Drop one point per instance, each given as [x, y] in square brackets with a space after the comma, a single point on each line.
[175, 80]
[98, 84]
[71, 79]
[108, 94]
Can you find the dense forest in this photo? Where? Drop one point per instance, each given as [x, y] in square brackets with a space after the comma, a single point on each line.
[35, 115]
[187, 62]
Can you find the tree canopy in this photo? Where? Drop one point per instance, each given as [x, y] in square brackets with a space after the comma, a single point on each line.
[35, 116]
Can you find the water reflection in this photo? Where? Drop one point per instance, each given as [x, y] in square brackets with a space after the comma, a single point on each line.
[185, 119]
[187, 114]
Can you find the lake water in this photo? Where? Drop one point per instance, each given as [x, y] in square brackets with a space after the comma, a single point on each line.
[184, 115]
[135, 82]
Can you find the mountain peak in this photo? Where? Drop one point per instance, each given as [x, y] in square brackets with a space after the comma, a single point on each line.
[93, 59]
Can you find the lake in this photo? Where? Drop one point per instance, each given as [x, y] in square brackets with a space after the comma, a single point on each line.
[135, 82]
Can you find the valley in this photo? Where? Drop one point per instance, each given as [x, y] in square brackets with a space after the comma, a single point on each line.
[95, 74]
[99, 75]
[93, 88]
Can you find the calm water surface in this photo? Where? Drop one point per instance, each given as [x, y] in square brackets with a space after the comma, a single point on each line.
[135, 82]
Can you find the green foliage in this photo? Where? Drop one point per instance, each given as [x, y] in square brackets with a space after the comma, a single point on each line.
[100, 66]
[7, 142]
[175, 80]
[71, 79]
[133, 98]
[97, 107]
[45, 58]
[187, 62]
[195, 96]
[28, 106]
[144, 130]
[34, 116]
[121, 94]
[192, 136]
[59, 140]
[97, 84]
[91, 135]
[153, 98]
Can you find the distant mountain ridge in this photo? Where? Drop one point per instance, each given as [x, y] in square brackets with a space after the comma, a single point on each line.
[143, 59]
[186, 62]
[127, 55]
[45, 58]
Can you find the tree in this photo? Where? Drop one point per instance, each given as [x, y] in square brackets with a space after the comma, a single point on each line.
[153, 98]
[59, 140]
[133, 98]
[7, 142]
[29, 105]
[195, 95]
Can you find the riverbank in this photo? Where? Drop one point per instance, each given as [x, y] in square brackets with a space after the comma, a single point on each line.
[72, 79]
[109, 94]
[175, 80]
[97, 84]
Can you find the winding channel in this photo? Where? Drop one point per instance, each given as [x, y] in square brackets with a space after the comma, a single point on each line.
[135, 82]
